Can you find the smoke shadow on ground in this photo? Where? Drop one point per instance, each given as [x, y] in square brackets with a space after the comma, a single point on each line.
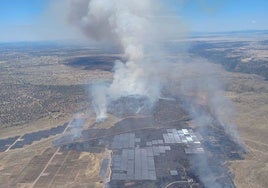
[104, 63]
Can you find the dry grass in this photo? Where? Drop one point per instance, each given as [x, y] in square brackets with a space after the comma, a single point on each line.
[34, 126]
[250, 97]
[14, 162]
[248, 92]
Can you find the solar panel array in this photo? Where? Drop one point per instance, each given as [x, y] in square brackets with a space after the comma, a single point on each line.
[154, 142]
[174, 136]
[124, 141]
[137, 163]
[29, 138]
[5, 143]
[103, 169]
[194, 150]
[134, 164]
[173, 172]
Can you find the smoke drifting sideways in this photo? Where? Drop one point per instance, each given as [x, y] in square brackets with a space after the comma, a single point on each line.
[138, 28]
[198, 83]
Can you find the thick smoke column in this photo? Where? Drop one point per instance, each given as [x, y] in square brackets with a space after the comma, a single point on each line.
[137, 28]
[140, 28]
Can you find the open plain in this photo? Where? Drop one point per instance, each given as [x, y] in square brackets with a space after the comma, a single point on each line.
[43, 86]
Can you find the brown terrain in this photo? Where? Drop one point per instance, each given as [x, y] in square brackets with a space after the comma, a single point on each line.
[39, 92]
[249, 92]
[43, 87]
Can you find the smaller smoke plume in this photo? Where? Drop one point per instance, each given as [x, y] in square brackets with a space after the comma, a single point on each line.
[76, 127]
[99, 96]
[73, 131]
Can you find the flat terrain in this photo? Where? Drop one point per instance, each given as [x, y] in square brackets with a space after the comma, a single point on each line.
[43, 86]
[41, 80]
[251, 120]
[247, 53]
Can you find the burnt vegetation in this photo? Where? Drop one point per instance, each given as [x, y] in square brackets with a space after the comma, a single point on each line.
[105, 63]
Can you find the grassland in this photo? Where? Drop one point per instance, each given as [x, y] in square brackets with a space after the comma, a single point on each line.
[42, 87]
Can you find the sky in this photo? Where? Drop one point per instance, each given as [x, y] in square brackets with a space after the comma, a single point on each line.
[23, 20]
[225, 15]
[18, 17]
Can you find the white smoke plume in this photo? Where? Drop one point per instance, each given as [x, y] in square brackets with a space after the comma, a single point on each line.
[199, 85]
[99, 96]
[137, 27]
[140, 29]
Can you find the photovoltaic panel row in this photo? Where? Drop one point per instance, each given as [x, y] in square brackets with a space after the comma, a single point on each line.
[180, 136]
[144, 164]
[29, 138]
[5, 143]
[124, 141]
[103, 169]
[133, 164]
